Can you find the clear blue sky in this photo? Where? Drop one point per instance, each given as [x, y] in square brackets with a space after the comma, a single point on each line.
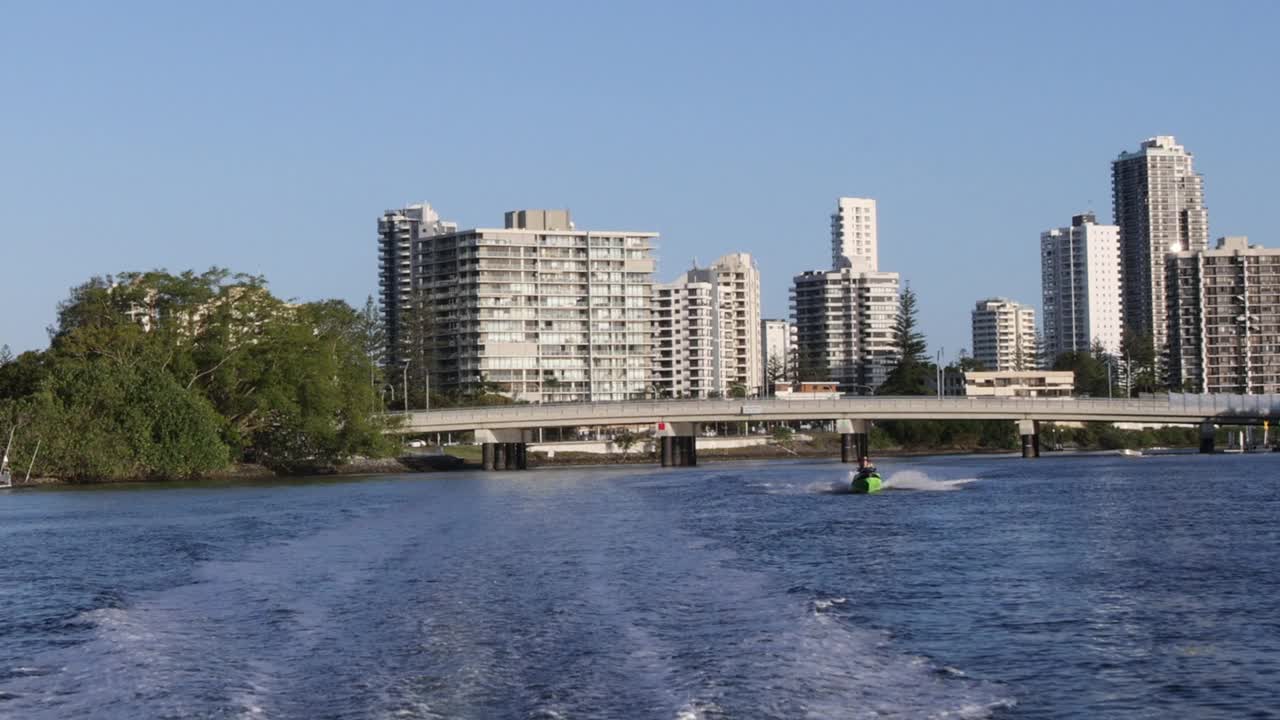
[268, 137]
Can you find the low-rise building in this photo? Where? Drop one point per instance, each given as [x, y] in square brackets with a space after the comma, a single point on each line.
[809, 390]
[1019, 383]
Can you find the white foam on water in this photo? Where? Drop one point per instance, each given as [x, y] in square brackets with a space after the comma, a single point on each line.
[698, 710]
[827, 604]
[902, 480]
[919, 481]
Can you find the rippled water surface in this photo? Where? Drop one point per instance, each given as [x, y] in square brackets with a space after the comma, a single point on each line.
[977, 587]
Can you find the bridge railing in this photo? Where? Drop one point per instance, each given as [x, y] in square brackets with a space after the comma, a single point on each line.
[1173, 405]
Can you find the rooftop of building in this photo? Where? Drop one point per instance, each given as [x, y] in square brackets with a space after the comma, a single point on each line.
[1158, 145]
[1231, 245]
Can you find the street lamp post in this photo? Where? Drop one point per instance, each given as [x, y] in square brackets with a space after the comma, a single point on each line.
[941, 373]
[1107, 362]
[404, 382]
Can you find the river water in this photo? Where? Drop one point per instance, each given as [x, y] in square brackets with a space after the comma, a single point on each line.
[1066, 587]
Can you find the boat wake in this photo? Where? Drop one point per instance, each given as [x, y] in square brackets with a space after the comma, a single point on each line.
[916, 480]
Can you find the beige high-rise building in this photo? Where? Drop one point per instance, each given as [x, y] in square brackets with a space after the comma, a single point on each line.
[1004, 335]
[853, 235]
[1224, 318]
[1080, 286]
[1158, 201]
[544, 311]
[707, 331]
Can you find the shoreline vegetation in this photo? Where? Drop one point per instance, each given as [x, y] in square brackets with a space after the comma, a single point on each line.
[154, 376]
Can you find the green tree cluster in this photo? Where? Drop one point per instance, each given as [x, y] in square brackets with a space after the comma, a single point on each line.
[1105, 436]
[912, 372]
[155, 376]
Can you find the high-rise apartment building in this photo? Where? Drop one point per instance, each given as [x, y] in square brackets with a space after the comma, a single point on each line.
[1224, 318]
[1159, 207]
[843, 318]
[844, 326]
[776, 337]
[707, 331]
[1004, 335]
[542, 310]
[853, 235]
[398, 231]
[1080, 286]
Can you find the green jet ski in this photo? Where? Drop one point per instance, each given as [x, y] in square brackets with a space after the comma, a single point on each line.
[866, 481]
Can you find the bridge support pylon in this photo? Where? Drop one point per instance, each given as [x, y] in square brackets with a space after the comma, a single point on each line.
[1207, 432]
[854, 440]
[1029, 430]
[677, 444]
[503, 449]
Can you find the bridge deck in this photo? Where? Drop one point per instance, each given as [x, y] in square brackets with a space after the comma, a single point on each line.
[1175, 408]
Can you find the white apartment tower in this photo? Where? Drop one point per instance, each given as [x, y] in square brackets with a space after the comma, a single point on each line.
[544, 311]
[1004, 335]
[707, 331]
[844, 326]
[853, 235]
[1224, 313]
[398, 231]
[1158, 201]
[1080, 287]
[844, 317]
[777, 343]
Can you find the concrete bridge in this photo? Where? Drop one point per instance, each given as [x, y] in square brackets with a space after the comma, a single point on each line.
[504, 430]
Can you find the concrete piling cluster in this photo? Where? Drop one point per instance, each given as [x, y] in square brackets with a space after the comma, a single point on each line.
[678, 451]
[854, 446]
[504, 456]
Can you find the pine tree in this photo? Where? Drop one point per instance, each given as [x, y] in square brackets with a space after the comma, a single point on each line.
[910, 375]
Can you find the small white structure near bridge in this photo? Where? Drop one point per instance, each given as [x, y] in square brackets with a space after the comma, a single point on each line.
[1019, 383]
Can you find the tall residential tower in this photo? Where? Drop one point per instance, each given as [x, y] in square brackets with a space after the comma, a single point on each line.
[398, 232]
[1080, 286]
[844, 317]
[542, 310]
[1224, 312]
[707, 331]
[1158, 201]
[853, 235]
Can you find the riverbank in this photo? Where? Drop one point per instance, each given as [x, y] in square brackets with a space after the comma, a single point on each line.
[248, 472]
[467, 457]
